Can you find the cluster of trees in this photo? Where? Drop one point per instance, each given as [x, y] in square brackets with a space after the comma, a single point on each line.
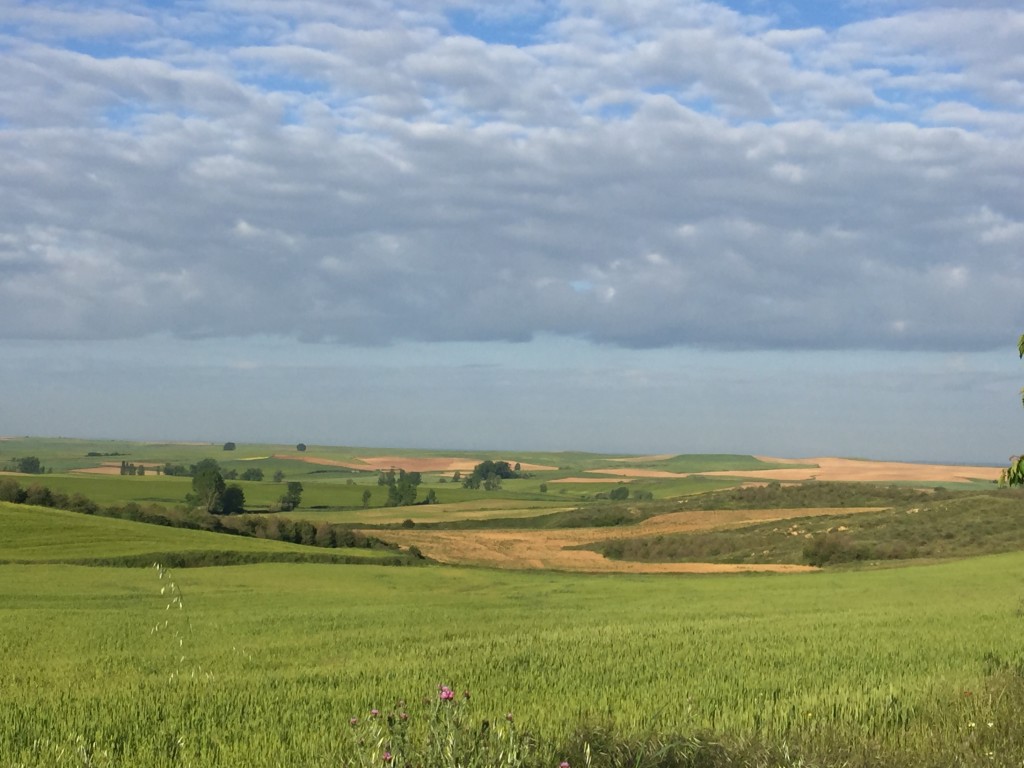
[489, 474]
[298, 531]
[403, 489]
[134, 469]
[27, 465]
[211, 493]
[41, 496]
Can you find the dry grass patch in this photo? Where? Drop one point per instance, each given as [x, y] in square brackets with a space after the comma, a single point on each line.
[549, 549]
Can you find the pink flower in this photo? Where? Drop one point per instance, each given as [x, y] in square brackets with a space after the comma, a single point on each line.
[446, 693]
[353, 721]
[564, 764]
[386, 757]
[374, 712]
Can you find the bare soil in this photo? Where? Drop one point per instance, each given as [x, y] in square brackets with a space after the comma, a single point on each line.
[832, 468]
[535, 550]
[408, 463]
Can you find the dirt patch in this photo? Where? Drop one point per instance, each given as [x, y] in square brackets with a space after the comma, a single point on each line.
[408, 463]
[113, 468]
[530, 550]
[653, 457]
[637, 472]
[591, 480]
[831, 468]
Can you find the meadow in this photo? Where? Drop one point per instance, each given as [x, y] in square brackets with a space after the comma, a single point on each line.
[265, 663]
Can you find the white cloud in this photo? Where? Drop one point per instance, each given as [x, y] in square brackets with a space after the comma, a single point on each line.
[363, 173]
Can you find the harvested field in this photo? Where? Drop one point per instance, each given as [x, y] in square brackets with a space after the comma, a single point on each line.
[831, 468]
[652, 457]
[408, 463]
[114, 468]
[528, 550]
[637, 472]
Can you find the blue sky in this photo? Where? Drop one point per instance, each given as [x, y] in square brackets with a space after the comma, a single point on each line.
[780, 228]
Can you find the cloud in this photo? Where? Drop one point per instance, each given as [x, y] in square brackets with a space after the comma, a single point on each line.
[367, 173]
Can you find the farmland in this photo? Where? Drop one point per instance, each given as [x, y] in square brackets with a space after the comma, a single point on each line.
[264, 663]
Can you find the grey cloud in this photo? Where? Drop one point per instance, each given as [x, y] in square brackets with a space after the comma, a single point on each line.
[433, 187]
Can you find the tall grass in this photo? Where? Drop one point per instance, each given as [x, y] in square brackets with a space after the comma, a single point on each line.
[855, 669]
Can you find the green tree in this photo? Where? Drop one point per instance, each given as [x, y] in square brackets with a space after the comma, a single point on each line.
[366, 498]
[229, 446]
[253, 473]
[292, 496]
[278, 476]
[300, 447]
[619, 493]
[1014, 474]
[30, 465]
[207, 486]
[232, 501]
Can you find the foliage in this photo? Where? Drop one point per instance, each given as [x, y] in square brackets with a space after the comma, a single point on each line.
[488, 474]
[232, 501]
[29, 465]
[941, 527]
[301, 447]
[292, 496]
[207, 486]
[229, 446]
[815, 494]
[1014, 474]
[254, 474]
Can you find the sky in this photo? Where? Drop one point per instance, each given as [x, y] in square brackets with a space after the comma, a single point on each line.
[626, 226]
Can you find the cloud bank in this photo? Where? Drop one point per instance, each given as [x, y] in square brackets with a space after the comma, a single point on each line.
[641, 174]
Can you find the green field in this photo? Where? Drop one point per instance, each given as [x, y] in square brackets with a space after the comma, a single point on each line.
[851, 661]
[262, 658]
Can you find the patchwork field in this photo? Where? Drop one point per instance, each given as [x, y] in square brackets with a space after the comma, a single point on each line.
[681, 622]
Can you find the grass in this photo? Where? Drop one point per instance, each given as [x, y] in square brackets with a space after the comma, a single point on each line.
[938, 526]
[34, 534]
[848, 668]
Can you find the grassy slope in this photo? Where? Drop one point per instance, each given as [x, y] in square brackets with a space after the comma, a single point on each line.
[822, 662]
[962, 525]
[38, 534]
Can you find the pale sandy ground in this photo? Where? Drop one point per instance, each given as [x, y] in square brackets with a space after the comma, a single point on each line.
[534, 550]
[831, 468]
[645, 459]
[409, 464]
[114, 468]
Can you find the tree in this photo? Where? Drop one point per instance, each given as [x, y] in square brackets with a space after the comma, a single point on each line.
[1014, 474]
[253, 473]
[278, 476]
[300, 447]
[366, 498]
[619, 493]
[207, 486]
[489, 474]
[232, 501]
[30, 465]
[292, 496]
[229, 446]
